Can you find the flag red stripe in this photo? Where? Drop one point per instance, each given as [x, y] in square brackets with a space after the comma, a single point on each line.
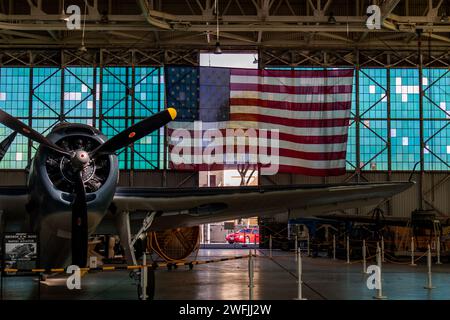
[292, 137]
[342, 73]
[282, 169]
[281, 88]
[283, 152]
[284, 105]
[299, 123]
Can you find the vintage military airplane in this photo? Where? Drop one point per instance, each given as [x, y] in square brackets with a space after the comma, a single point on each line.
[72, 187]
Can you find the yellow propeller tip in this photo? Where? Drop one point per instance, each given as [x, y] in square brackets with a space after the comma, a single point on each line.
[172, 112]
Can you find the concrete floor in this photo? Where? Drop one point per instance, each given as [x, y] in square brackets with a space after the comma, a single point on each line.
[274, 279]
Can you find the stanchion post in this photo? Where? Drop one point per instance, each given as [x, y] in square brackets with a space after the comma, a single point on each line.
[429, 285]
[144, 277]
[348, 250]
[379, 279]
[382, 249]
[299, 275]
[307, 245]
[412, 252]
[39, 285]
[270, 246]
[1, 283]
[364, 257]
[295, 247]
[250, 275]
[334, 247]
[438, 250]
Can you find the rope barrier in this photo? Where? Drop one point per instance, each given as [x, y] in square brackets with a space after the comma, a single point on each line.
[153, 266]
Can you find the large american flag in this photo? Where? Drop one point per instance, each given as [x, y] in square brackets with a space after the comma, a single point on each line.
[310, 108]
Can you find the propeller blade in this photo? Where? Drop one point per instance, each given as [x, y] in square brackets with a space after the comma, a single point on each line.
[79, 224]
[135, 132]
[5, 144]
[20, 127]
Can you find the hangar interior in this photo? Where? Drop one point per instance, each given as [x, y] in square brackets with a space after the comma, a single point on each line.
[110, 74]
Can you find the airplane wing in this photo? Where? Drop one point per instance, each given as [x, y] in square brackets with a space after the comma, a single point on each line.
[388, 221]
[181, 207]
[13, 213]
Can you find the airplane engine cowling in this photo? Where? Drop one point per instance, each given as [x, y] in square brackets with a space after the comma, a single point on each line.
[61, 172]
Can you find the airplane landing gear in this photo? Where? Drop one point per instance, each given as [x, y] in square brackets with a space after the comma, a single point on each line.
[150, 288]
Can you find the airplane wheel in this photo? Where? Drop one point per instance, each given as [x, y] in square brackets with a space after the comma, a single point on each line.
[150, 286]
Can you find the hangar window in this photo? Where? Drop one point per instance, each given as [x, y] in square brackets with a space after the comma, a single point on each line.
[110, 98]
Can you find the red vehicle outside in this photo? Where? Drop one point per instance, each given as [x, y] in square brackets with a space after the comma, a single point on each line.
[246, 235]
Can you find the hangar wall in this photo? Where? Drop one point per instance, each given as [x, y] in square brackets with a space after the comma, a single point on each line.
[435, 187]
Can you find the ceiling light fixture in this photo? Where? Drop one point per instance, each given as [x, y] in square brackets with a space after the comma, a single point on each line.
[331, 19]
[64, 16]
[217, 49]
[83, 47]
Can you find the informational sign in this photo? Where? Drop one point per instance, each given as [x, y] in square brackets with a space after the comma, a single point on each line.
[20, 251]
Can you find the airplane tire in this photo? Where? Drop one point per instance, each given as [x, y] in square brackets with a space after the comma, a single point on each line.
[150, 286]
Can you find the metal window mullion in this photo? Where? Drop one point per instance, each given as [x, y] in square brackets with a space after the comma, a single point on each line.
[100, 105]
[126, 111]
[61, 115]
[133, 119]
[166, 137]
[30, 111]
[94, 97]
[388, 120]
[357, 122]
[422, 157]
[158, 155]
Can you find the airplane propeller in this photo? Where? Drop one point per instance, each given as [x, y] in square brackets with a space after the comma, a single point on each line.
[5, 144]
[17, 125]
[79, 159]
[79, 223]
[135, 132]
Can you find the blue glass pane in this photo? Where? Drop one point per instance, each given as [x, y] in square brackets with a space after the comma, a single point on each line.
[78, 89]
[436, 102]
[372, 93]
[351, 147]
[405, 93]
[46, 92]
[373, 137]
[437, 145]
[405, 139]
[14, 99]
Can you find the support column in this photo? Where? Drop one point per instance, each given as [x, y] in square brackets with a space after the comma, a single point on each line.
[389, 126]
[357, 122]
[422, 160]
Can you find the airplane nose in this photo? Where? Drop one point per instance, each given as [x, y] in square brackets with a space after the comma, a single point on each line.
[80, 159]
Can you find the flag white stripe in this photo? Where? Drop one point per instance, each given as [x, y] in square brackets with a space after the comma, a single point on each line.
[294, 98]
[283, 144]
[188, 159]
[294, 82]
[244, 125]
[291, 114]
